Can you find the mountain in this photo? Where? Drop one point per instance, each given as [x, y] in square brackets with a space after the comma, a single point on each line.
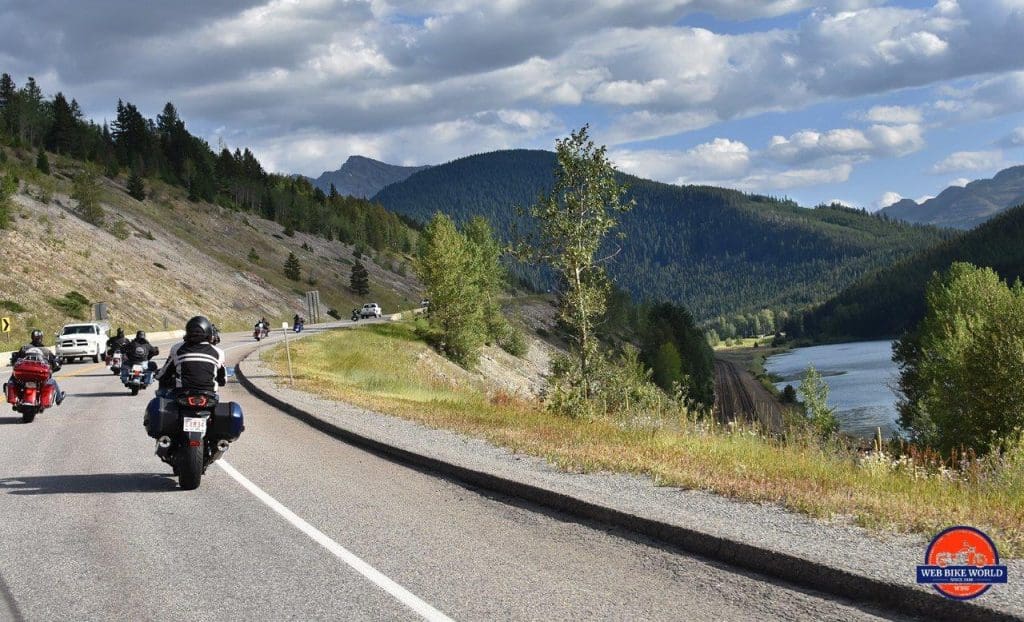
[363, 177]
[159, 261]
[715, 250]
[966, 207]
[884, 304]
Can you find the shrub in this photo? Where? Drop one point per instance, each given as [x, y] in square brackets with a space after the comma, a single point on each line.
[513, 341]
[72, 304]
[814, 392]
[120, 230]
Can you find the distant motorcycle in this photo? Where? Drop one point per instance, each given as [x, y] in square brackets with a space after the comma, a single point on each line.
[114, 362]
[139, 376]
[355, 315]
[192, 429]
[29, 391]
[260, 331]
[299, 326]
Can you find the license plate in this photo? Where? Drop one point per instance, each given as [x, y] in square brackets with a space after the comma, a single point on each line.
[30, 385]
[194, 424]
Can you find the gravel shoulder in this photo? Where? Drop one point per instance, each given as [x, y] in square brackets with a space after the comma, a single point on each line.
[886, 557]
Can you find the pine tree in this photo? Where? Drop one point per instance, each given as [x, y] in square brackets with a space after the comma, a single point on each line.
[136, 187]
[292, 267]
[42, 162]
[360, 279]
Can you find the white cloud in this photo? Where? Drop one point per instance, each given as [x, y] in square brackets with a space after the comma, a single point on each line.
[1013, 139]
[848, 143]
[960, 182]
[717, 160]
[969, 161]
[894, 115]
[887, 199]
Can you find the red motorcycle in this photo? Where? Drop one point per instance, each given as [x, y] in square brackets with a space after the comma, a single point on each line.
[29, 390]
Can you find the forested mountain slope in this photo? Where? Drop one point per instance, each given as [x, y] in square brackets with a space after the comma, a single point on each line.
[715, 250]
[886, 303]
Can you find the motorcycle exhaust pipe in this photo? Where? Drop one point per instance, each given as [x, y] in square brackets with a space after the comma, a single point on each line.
[163, 442]
[222, 445]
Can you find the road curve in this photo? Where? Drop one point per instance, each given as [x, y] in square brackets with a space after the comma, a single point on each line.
[93, 527]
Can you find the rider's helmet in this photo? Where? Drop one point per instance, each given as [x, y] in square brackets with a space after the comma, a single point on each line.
[140, 336]
[198, 330]
[37, 337]
[120, 332]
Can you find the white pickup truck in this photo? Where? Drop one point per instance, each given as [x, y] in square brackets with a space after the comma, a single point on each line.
[86, 340]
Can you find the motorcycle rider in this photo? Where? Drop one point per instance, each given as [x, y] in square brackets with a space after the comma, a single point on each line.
[194, 363]
[36, 347]
[117, 342]
[138, 351]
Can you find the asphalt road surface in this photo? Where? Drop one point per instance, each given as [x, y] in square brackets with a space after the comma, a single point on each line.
[299, 526]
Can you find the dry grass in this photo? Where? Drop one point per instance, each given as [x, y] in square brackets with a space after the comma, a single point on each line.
[384, 368]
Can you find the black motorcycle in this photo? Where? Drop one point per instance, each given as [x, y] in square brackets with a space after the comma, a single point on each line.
[193, 430]
[355, 315]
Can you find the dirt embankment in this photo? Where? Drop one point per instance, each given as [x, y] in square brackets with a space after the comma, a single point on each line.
[740, 397]
[172, 259]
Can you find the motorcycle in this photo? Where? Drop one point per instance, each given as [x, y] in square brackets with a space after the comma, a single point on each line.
[299, 326]
[260, 331]
[192, 429]
[355, 315]
[114, 362]
[29, 391]
[138, 376]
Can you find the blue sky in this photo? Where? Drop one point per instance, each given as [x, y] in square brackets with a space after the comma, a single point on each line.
[861, 101]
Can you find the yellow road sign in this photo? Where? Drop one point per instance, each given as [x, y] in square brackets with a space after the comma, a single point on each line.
[5, 324]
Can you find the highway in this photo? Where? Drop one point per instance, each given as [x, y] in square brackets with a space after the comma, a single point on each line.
[299, 526]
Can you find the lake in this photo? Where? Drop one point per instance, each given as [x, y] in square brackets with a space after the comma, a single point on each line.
[860, 378]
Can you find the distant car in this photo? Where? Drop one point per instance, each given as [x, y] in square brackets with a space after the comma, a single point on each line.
[79, 341]
[370, 309]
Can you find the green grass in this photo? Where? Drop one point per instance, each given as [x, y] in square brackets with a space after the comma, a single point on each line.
[385, 368]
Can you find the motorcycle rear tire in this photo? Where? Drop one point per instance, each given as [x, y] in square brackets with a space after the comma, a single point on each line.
[28, 415]
[190, 467]
[135, 390]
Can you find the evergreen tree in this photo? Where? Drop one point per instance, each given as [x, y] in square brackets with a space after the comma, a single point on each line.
[136, 187]
[360, 279]
[85, 188]
[292, 267]
[43, 162]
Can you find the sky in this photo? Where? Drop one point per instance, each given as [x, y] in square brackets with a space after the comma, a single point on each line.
[857, 101]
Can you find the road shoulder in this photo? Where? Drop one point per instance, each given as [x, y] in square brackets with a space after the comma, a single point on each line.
[833, 557]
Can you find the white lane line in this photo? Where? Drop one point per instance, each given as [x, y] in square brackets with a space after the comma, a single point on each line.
[401, 594]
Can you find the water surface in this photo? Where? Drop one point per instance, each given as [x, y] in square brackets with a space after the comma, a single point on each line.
[861, 377]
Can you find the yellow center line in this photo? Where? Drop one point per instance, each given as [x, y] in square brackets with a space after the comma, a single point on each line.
[79, 372]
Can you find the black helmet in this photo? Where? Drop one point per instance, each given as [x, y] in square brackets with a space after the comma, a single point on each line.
[198, 330]
[37, 337]
[120, 332]
[140, 336]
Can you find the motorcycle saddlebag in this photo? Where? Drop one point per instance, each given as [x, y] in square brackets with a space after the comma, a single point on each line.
[162, 418]
[11, 390]
[27, 370]
[227, 422]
